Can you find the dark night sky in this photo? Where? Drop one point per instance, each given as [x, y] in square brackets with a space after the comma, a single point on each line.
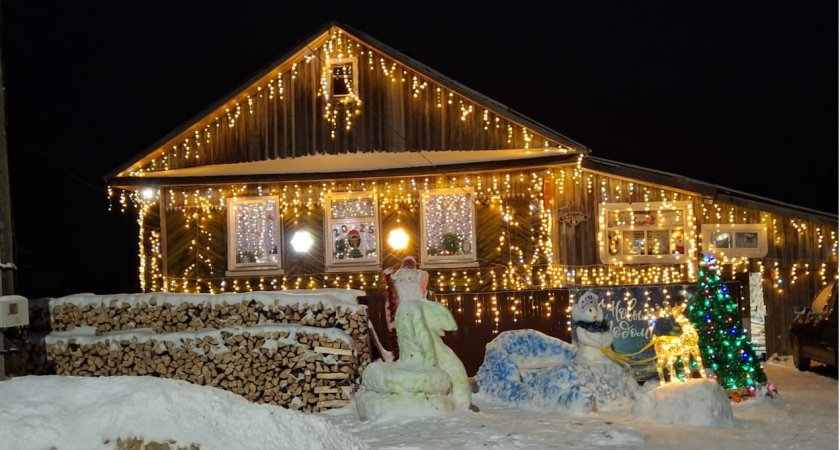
[736, 94]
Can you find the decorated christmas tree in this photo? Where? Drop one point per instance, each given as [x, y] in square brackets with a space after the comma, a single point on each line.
[723, 340]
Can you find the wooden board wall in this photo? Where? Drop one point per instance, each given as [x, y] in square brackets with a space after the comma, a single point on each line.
[396, 114]
[791, 241]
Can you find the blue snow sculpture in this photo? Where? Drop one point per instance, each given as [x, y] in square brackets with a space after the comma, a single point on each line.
[538, 372]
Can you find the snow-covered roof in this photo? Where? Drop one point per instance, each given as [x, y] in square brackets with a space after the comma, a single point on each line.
[355, 162]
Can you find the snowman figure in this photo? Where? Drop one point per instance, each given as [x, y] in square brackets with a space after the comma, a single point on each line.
[591, 329]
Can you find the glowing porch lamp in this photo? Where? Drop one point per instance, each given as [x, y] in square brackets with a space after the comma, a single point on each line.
[398, 239]
[147, 193]
[302, 241]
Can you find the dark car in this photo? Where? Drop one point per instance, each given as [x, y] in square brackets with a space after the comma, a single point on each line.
[813, 333]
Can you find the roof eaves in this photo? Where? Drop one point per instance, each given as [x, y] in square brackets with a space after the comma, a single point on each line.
[721, 192]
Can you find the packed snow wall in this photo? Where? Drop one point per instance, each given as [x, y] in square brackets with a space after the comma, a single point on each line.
[303, 351]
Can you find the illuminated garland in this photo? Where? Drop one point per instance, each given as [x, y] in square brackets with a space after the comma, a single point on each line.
[526, 268]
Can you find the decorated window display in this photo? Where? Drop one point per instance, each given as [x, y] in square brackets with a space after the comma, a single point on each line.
[253, 233]
[353, 230]
[644, 233]
[448, 226]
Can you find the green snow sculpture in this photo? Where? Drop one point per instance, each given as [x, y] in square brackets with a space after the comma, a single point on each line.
[428, 378]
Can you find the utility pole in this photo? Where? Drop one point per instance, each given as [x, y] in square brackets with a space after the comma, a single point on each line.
[7, 267]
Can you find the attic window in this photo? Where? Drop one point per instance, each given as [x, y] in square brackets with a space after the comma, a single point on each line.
[342, 77]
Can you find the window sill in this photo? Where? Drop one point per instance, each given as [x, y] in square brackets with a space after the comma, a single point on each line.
[254, 272]
[646, 259]
[735, 253]
[354, 268]
[448, 264]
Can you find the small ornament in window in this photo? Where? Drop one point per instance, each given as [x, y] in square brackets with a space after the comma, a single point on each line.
[355, 240]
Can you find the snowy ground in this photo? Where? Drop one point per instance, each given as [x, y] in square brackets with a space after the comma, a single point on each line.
[77, 413]
[84, 413]
[803, 416]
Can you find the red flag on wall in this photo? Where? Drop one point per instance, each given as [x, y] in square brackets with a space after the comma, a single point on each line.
[548, 191]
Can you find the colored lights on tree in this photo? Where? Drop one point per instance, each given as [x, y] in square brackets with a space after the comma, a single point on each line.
[723, 339]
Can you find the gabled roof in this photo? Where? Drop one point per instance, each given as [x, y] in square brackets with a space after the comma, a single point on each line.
[466, 91]
[305, 47]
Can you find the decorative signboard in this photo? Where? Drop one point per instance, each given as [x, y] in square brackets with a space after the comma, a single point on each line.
[566, 216]
[625, 309]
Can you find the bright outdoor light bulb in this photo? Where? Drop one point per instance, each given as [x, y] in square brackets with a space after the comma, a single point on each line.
[302, 241]
[397, 239]
[147, 193]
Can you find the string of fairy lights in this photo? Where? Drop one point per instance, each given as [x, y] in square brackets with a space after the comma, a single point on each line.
[339, 57]
[526, 269]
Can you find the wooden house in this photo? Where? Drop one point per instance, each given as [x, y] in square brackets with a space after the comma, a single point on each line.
[343, 156]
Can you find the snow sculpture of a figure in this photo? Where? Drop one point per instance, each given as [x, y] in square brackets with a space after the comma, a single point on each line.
[593, 332]
[428, 377]
[540, 372]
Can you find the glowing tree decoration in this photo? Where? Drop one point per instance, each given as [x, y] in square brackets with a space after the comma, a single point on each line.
[670, 348]
[723, 339]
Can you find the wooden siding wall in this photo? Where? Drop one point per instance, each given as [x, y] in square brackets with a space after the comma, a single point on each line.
[500, 244]
[396, 114]
[301, 264]
[407, 218]
[197, 246]
[790, 241]
[582, 191]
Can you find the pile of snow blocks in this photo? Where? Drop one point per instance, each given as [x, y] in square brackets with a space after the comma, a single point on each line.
[539, 372]
[301, 350]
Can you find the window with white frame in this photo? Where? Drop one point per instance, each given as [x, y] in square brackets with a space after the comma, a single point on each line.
[735, 240]
[254, 234]
[447, 222]
[342, 78]
[352, 230]
[645, 232]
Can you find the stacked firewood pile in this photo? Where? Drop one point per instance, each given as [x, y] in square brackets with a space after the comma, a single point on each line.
[301, 352]
[160, 317]
[287, 365]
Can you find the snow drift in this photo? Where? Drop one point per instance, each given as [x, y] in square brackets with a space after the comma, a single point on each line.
[696, 402]
[75, 413]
